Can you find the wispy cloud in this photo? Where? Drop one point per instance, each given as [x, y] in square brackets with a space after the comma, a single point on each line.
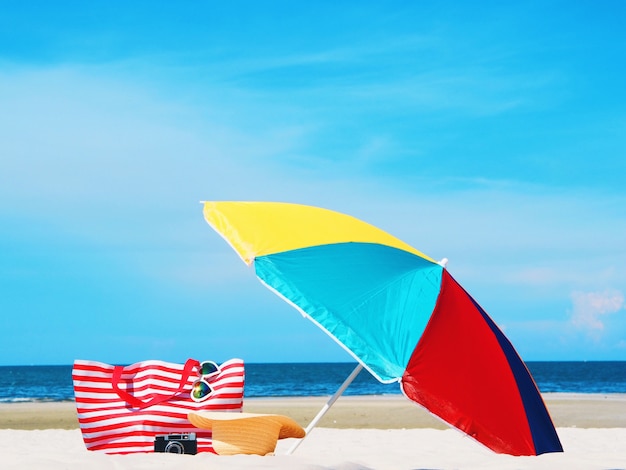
[590, 310]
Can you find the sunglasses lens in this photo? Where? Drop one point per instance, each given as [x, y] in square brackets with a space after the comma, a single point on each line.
[208, 368]
[200, 390]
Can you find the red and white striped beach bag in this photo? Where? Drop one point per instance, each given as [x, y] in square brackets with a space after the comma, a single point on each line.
[122, 409]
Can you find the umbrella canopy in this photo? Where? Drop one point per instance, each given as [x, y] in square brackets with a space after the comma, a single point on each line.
[398, 312]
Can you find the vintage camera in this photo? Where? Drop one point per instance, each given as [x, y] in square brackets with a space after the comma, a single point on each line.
[176, 443]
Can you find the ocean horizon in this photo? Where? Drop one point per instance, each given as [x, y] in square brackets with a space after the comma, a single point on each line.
[39, 383]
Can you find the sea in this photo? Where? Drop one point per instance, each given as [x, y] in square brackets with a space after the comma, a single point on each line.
[54, 383]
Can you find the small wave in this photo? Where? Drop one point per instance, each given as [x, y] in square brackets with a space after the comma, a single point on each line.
[34, 400]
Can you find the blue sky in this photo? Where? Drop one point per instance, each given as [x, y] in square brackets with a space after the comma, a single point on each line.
[489, 133]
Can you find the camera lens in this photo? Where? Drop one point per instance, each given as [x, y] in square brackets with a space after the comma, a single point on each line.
[174, 448]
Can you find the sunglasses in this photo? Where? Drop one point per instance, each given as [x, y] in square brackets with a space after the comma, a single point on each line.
[201, 389]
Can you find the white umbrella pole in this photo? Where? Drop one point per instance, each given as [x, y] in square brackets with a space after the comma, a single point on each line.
[327, 406]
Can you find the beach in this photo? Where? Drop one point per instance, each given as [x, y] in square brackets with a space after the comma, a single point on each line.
[372, 432]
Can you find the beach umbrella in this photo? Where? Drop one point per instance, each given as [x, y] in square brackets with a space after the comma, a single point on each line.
[398, 312]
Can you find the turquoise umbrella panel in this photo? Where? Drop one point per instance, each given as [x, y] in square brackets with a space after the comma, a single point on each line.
[363, 293]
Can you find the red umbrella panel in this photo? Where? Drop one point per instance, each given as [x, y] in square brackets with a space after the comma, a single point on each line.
[464, 369]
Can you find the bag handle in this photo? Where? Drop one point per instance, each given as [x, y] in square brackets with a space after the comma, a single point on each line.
[138, 403]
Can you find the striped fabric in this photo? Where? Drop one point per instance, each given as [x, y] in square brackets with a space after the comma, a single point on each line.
[161, 401]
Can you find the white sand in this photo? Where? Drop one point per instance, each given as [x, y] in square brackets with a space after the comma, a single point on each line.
[392, 433]
[326, 448]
